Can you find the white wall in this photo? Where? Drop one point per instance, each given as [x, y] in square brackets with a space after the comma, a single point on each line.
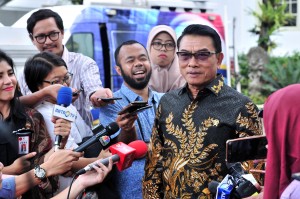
[286, 38]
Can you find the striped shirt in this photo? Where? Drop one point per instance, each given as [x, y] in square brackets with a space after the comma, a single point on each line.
[85, 75]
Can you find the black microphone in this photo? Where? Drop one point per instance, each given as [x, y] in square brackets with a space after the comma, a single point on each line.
[242, 183]
[102, 136]
[64, 99]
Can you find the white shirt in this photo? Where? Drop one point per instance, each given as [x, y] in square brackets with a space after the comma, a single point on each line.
[85, 75]
[79, 130]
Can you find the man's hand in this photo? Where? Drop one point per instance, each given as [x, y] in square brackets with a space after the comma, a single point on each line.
[20, 165]
[101, 93]
[126, 121]
[60, 162]
[52, 91]
[95, 176]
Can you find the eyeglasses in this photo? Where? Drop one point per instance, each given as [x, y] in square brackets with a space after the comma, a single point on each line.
[199, 56]
[168, 46]
[66, 79]
[41, 39]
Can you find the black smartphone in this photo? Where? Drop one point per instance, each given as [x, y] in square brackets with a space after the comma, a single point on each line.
[133, 106]
[109, 99]
[141, 109]
[247, 148]
[77, 92]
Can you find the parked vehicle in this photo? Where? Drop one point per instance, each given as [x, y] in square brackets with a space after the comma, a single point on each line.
[96, 31]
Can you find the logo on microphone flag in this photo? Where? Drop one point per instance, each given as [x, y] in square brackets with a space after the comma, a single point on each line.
[104, 140]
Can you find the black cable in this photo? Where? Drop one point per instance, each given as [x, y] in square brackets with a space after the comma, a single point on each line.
[71, 186]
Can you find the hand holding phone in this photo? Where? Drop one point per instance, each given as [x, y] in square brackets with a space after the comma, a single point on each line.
[77, 92]
[134, 107]
[109, 99]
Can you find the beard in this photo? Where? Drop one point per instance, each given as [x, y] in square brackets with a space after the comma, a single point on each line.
[138, 84]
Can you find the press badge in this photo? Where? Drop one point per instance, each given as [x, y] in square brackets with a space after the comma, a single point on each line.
[23, 144]
[23, 137]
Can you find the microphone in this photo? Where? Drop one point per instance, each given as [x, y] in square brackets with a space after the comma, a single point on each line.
[102, 137]
[141, 148]
[238, 185]
[123, 155]
[60, 110]
[245, 182]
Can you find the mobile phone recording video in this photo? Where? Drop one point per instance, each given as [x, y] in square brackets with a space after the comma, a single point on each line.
[247, 148]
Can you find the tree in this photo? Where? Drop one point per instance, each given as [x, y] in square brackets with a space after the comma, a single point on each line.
[271, 16]
[77, 2]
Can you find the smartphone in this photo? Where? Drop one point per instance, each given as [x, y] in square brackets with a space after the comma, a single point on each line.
[247, 148]
[77, 92]
[109, 99]
[141, 109]
[133, 107]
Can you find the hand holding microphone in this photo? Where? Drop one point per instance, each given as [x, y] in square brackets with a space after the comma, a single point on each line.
[123, 155]
[60, 110]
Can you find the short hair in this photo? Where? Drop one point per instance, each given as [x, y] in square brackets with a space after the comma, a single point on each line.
[41, 15]
[39, 66]
[126, 43]
[202, 30]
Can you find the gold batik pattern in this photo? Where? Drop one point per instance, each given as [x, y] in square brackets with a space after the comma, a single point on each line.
[188, 163]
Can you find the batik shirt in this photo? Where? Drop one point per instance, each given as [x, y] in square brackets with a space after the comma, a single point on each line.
[187, 148]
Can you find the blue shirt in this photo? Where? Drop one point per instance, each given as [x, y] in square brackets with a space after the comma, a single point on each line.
[129, 181]
[8, 189]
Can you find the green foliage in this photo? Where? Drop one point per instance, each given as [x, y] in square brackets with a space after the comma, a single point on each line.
[271, 16]
[280, 72]
[77, 2]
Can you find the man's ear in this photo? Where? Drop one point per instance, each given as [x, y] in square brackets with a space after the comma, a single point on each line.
[31, 38]
[118, 69]
[220, 57]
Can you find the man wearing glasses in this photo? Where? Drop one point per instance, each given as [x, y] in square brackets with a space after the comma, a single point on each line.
[46, 32]
[187, 147]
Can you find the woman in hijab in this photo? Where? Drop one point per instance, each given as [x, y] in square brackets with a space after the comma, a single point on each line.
[282, 124]
[161, 46]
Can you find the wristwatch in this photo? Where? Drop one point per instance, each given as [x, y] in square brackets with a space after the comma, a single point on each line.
[40, 173]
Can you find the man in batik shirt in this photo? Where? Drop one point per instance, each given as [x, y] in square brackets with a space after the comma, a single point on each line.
[188, 144]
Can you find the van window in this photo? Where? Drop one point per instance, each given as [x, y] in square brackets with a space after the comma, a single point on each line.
[81, 43]
[118, 37]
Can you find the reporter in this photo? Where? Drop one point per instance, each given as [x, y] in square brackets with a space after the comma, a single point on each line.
[88, 179]
[282, 124]
[21, 122]
[58, 163]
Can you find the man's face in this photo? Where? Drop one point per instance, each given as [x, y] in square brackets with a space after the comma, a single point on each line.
[52, 42]
[201, 71]
[135, 66]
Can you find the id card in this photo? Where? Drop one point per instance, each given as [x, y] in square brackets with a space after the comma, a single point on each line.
[24, 144]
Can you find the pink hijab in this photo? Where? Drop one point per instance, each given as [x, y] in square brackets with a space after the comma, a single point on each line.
[282, 124]
[169, 78]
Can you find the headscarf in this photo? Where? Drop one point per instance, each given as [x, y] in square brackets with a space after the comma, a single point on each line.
[282, 125]
[168, 78]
